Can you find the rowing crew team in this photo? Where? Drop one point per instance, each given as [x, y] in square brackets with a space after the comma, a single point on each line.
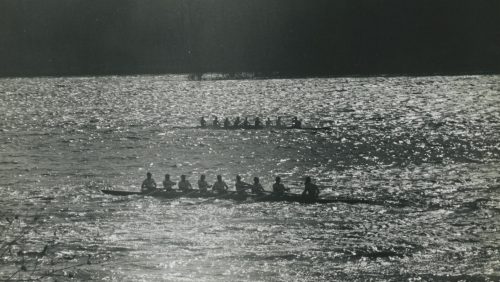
[149, 185]
[296, 123]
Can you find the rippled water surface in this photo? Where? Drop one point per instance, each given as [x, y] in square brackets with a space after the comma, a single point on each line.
[424, 152]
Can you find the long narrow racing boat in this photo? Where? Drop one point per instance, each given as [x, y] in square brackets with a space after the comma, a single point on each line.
[266, 197]
[251, 127]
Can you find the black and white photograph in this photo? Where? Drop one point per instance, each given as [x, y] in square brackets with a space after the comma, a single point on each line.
[250, 140]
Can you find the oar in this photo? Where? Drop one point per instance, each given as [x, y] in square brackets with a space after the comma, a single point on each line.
[320, 187]
[219, 196]
[249, 186]
[154, 191]
[158, 190]
[184, 194]
[269, 193]
[191, 193]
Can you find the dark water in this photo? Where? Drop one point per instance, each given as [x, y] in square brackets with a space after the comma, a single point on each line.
[424, 152]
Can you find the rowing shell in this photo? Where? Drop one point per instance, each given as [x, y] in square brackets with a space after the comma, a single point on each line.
[288, 197]
[252, 128]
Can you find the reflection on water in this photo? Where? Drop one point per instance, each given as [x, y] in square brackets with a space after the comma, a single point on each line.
[425, 152]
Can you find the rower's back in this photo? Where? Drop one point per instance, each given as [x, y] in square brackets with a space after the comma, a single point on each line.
[311, 191]
[258, 123]
[184, 185]
[167, 183]
[215, 122]
[220, 186]
[296, 123]
[278, 187]
[149, 183]
[257, 187]
[240, 186]
[202, 184]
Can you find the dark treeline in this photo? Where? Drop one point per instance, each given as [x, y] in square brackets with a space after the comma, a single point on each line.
[289, 37]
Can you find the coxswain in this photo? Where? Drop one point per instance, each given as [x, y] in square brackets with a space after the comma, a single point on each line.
[220, 186]
[278, 187]
[241, 186]
[296, 123]
[167, 183]
[149, 183]
[202, 184]
[227, 123]
[184, 185]
[215, 122]
[269, 122]
[311, 191]
[203, 122]
[246, 124]
[257, 187]
[236, 122]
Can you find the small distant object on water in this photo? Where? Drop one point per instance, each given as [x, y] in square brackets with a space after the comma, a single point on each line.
[203, 122]
[278, 122]
[237, 122]
[227, 123]
[215, 122]
[258, 124]
[269, 122]
[296, 123]
[246, 123]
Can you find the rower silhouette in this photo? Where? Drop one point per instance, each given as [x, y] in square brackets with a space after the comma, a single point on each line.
[257, 187]
[237, 122]
[202, 184]
[258, 124]
[203, 122]
[167, 183]
[279, 123]
[296, 123]
[215, 122]
[149, 183]
[227, 123]
[246, 123]
[278, 187]
[184, 185]
[311, 191]
[241, 186]
[220, 186]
